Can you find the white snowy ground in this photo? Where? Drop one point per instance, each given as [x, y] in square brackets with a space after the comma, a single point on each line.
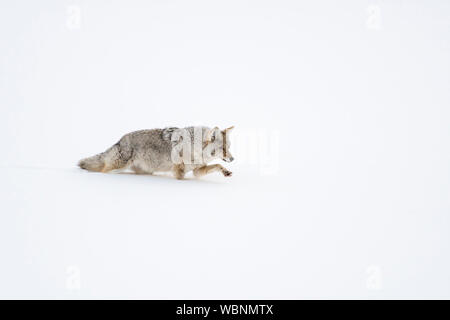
[73, 234]
[350, 99]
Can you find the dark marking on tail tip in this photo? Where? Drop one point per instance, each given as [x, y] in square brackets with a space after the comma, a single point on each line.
[82, 164]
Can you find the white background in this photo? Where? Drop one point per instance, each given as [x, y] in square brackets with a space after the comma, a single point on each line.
[356, 204]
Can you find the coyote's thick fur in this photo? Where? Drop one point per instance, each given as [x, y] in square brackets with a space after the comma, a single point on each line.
[170, 149]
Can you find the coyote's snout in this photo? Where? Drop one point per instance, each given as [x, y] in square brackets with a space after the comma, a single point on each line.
[178, 150]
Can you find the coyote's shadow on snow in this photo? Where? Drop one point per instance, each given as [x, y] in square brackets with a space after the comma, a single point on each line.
[167, 177]
[163, 177]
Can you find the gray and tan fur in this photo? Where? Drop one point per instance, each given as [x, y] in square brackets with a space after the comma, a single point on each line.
[150, 151]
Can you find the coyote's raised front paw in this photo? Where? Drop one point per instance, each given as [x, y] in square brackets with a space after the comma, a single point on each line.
[227, 173]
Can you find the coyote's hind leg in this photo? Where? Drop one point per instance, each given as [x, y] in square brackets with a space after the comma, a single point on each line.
[211, 168]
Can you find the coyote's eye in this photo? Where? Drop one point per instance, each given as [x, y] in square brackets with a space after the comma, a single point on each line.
[213, 138]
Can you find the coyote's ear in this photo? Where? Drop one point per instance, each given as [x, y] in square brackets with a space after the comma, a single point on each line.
[228, 130]
[210, 134]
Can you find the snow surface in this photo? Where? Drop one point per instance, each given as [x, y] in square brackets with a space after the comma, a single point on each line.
[351, 199]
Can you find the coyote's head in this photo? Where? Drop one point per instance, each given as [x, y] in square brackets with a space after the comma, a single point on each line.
[200, 146]
[218, 141]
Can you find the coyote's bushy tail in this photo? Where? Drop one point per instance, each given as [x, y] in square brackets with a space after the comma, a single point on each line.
[102, 162]
[94, 163]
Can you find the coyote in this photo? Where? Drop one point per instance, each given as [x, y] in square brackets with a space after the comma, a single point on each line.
[178, 150]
